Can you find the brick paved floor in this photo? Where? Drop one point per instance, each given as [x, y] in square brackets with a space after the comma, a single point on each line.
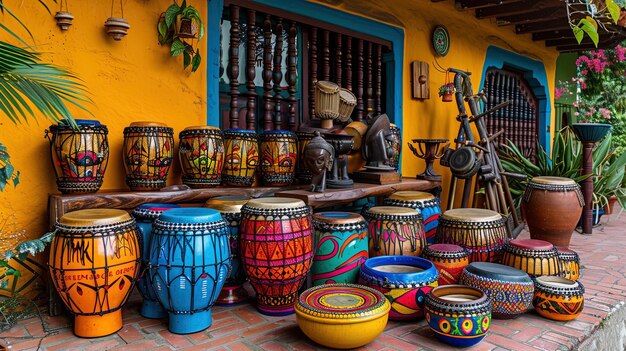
[603, 261]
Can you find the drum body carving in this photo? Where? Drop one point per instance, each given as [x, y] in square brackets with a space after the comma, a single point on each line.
[535, 257]
[558, 298]
[425, 202]
[241, 149]
[394, 231]
[148, 153]
[201, 152]
[278, 157]
[450, 260]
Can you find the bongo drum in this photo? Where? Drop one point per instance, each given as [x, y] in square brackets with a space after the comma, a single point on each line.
[426, 203]
[230, 208]
[569, 263]
[278, 157]
[552, 207]
[79, 156]
[94, 262]
[241, 149]
[145, 215]
[189, 262]
[481, 232]
[450, 260]
[394, 231]
[558, 298]
[201, 153]
[326, 102]
[535, 257]
[276, 250]
[347, 103]
[341, 247]
[148, 153]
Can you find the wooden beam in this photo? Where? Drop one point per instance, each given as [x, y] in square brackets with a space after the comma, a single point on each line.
[549, 13]
[471, 4]
[603, 44]
[509, 8]
[541, 26]
[553, 34]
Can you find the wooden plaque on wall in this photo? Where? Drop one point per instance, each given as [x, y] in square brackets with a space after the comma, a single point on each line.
[419, 80]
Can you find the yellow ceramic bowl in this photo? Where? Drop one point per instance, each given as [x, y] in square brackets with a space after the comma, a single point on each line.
[342, 316]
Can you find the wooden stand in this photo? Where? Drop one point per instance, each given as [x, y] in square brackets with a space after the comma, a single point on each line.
[376, 177]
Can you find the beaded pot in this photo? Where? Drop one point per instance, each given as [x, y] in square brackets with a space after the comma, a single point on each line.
[201, 154]
[558, 298]
[450, 260]
[535, 257]
[426, 203]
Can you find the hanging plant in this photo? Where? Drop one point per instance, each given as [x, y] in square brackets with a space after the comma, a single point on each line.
[447, 89]
[181, 27]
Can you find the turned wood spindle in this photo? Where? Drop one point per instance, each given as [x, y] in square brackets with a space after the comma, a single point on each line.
[370, 87]
[338, 39]
[312, 70]
[359, 81]
[251, 71]
[292, 74]
[267, 73]
[379, 78]
[326, 56]
[348, 61]
[233, 60]
[277, 77]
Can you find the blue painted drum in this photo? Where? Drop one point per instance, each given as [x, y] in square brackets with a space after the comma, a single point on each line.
[144, 216]
[426, 203]
[189, 263]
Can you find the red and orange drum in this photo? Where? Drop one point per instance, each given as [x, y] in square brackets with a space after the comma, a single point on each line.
[450, 260]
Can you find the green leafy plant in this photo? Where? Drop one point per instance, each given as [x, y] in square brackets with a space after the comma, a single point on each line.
[608, 174]
[176, 27]
[447, 88]
[597, 14]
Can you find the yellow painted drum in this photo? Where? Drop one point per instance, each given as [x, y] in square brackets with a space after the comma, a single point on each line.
[201, 154]
[148, 153]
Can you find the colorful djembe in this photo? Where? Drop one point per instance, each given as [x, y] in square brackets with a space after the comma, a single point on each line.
[79, 156]
[276, 250]
[278, 157]
[241, 150]
[450, 260]
[535, 257]
[201, 154]
[394, 231]
[147, 155]
[230, 208]
[558, 298]
[425, 202]
[189, 263]
[569, 263]
[94, 262]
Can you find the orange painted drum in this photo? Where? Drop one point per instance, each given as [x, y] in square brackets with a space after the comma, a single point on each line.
[535, 257]
[201, 155]
[94, 262]
[558, 298]
[569, 263]
[147, 155]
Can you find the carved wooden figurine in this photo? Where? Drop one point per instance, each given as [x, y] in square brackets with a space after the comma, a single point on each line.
[375, 148]
[318, 158]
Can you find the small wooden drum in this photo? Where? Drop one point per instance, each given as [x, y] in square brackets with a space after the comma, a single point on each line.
[201, 154]
[394, 231]
[326, 102]
[552, 207]
[458, 315]
[342, 316]
[241, 150]
[148, 153]
[347, 102]
[405, 281]
[426, 203]
[341, 247]
[558, 298]
[278, 157]
[276, 250]
[510, 289]
[570, 263]
[94, 262]
[481, 232]
[535, 257]
[450, 260]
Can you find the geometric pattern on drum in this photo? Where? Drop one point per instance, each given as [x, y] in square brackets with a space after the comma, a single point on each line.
[569, 263]
[426, 203]
[148, 154]
[394, 231]
[241, 150]
[558, 298]
[481, 232]
[278, 155]
[535, 257]
[450, 260]
[201, 155]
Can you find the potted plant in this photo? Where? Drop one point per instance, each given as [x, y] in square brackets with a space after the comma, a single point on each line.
[446, 91]
[179, 27]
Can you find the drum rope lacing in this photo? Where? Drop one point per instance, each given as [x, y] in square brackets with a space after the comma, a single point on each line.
[470, 307]
[412, 204]
[576, 290]
[554, 187]
[291, 212]
[149, 130]
[170, 228]
[323, 226]
[104, 230]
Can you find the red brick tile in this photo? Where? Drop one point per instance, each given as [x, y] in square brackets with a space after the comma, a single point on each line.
[103, 345]
[228, 329]
[544, 344]
[274, 333]
[17, 330]
[199, 337]
[260, 329]
[23, 344]
[249, 316]
[426, 338]
[130, 334]
[497, 328]
[395, 342]
[527, 334]
[67, 344]
[178, 341]
[481, 346]
[142, 346]
[162, 348]
[560, 339]
[272, 346]
[64, 335]
[506, 343]
[35, 329]
[300, 346]
[151, 322]
[516, 324]
[241, 346]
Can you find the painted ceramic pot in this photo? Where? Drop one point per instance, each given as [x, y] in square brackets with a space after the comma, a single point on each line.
[458, 315]
[303, 175]
[394, 231]
[148, 152]
[94, 262]
[450, 260]
[230, 208]
[144, 216]
[241, 150]
[342, 247]
[394, 144]
[189, 262]
[278, 157]
[201, 154]
[535, 257]
[425, 202]
[510, 289]
[481, 232]
[79, 156]
[558, 298]
[276, 251]
[404, 280]
[342, 316]
[569, 263]
[552, 207]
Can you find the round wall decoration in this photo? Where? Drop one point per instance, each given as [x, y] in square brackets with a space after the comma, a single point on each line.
[441, 40]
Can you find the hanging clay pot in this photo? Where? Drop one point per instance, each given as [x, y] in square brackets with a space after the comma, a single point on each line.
[116, 27]
[186, 28]
[64, 20]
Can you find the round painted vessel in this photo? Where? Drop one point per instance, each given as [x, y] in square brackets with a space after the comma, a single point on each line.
[481, 232]
[278, 155]
[535, 257]
[394, 231]
[458, 315]
[241, 157]
[342, 247]
[404, 280]
[342, 316]
[147, 155]
[569, 263]
[276, 250]
[425, 202]
[201, 155]
[450, 260]
[558, 298]
[94, 262]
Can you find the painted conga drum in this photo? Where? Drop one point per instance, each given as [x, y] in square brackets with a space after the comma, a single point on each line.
[535, 257]
[458, 315]
[552, 207]
[481, 232]
[341, 247]
[558, 298]
[230, 208]
[189, 263]
[428, 205]
[94, 262]
[405, 281]
[394, 143]
[144, 216]
[510, 289]
[79, 156]
[326, 102]
[569, 263]
[394, 231]
[347, 103]
[201, 154]
[450, 260]
[278, 157]
[241, 149]
[148, 152]
[303, 175]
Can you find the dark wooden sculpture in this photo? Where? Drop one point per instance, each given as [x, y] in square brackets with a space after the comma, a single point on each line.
[375, 148]
[318, 159]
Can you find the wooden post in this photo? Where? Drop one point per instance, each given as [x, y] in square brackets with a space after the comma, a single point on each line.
[233, 60]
